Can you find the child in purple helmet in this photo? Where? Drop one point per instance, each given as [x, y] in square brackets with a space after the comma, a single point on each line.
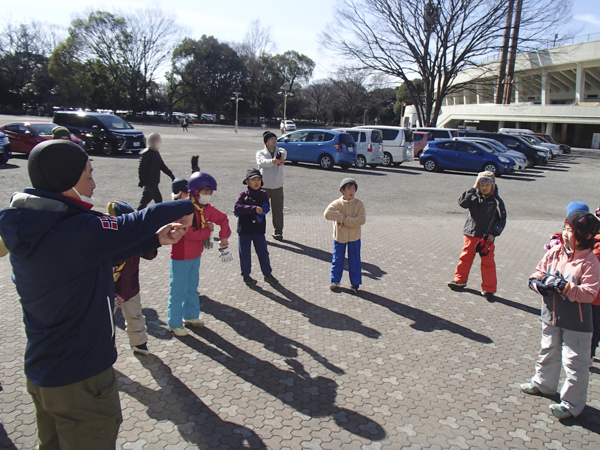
[184, 305]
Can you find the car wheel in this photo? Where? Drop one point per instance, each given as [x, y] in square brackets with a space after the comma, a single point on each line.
[326, 162]
[491, 167]
[361, 162]
[430, 165]
[530, 162]
[387, 159]
[373, 166]
[108, 148]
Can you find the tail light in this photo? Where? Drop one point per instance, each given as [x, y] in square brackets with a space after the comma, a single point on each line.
[370, 148]
[338, 147]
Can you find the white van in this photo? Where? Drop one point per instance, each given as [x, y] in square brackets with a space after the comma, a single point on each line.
[397, 143]
[369, 148]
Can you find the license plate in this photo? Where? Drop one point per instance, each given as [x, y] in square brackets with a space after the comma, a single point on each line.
[136, 144]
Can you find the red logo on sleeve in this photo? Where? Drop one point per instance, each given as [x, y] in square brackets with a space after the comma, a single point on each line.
[109, 222]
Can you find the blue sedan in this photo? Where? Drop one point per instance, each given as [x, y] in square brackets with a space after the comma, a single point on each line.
[464, 156]
[324, 147]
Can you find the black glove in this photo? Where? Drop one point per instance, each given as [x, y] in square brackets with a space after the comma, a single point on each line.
[557, 283]
[195, 166]
[141, 184]
[539, 286]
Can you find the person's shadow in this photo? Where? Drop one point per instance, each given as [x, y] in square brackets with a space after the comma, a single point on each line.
[504, 301]
[251, 328]
[368, 270]
[315, 397]
[156, 327]
[588, 419]
[195, 421]
[423, 321]
[317, 315]
[5, 442]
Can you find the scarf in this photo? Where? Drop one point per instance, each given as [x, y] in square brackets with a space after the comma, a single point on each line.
[201, 209]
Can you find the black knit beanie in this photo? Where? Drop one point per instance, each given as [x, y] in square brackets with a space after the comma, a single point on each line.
[179, 185]
[56, 165]
[584, 224]
[268, 135]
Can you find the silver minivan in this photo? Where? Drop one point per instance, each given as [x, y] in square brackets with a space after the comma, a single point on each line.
[397, 143]
[369, 148]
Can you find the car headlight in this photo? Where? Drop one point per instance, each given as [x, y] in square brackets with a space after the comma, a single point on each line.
[3, 140]
[542, 153]
[503, 159]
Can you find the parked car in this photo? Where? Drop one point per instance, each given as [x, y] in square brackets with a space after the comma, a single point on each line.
[464, 156]
[5, 152]
[546, 137]
[287, 125]
[420, 139]
[438, 133]
[518, 157]
[397, 143]
[536, 156]
[369, 148]
[102, 132]
[324, 147]
[555, 149]
[23, 136]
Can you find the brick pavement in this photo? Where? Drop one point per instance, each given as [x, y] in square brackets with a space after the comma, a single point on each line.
[406, 363]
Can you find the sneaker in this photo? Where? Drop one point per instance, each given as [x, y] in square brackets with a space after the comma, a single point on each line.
[142, 349]
[250, 281]
[488, 296]
[194, 323]
[278, 237]
[355, 288]
[271, 279]
[334, 286]
[560, 412]
[456, 286]
[529, 388]
[179, 331]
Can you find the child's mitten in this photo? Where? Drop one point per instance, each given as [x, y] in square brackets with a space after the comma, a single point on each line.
[557, 283]
[225, 254]
[539, 286]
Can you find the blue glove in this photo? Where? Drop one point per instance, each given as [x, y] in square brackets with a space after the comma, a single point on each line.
[266, 208]
[557, 283]
[539, 286]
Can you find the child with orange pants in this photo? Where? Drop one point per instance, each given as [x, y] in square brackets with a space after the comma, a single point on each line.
[485, 222]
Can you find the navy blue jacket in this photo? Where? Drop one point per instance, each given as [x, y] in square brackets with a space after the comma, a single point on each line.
[62, 256]
[245, 209]
[487, 215]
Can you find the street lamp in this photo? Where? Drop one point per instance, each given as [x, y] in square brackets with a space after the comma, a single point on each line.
[237, 99]
[285, 87]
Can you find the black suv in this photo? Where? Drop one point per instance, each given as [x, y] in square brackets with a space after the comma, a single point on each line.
[102, 132]
[536, 156]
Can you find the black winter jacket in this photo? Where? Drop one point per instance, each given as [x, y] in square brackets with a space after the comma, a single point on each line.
[151, 164]
[487, 215]
[245, 209]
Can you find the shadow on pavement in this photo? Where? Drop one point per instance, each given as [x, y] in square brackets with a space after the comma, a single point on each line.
[423, 321]
[317, 315]
[315, 397]
[253, 329]
[504, 301]
[195, 422]
[156, 327]
[5, 442]
[588, 419]
[350, 170]
[369, 270]
[403, 170]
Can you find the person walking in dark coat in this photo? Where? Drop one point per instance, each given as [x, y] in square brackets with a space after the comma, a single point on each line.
[151, 164]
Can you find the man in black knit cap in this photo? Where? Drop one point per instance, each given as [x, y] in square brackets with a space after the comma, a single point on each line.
[62, 254]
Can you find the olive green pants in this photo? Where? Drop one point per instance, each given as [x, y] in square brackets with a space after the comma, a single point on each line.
[83, 415]
[276, 197]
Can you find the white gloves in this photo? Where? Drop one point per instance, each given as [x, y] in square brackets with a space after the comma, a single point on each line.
[225, 255]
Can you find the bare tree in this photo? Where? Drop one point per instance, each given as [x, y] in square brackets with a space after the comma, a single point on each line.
[257, 41]
[320, 96]
[349, 87]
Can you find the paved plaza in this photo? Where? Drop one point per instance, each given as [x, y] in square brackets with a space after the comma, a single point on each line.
[406, 363]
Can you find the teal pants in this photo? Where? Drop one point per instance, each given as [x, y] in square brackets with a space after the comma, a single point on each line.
[184, 303]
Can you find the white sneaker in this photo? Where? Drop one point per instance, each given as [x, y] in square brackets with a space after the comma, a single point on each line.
[179, 331]
[194, 323]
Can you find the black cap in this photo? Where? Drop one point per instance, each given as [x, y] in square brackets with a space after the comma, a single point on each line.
[56, 165]
[268, 135]
[179, 185]
[253, 173]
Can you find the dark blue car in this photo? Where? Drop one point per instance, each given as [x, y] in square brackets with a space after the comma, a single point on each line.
[324, 147]
[464, 156]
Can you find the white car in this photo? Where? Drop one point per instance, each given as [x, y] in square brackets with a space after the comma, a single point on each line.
[555, 149]
[397, 143]
[287, 125]
[369, 147]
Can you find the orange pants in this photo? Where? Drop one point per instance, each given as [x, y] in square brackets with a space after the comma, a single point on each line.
[488, 265]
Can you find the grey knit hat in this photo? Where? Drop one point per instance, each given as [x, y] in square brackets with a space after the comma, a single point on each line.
[346, 181]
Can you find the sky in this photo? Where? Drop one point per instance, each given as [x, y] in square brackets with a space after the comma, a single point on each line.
[294, 25]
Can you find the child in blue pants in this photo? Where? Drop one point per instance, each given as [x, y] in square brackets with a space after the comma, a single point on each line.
[348, 214]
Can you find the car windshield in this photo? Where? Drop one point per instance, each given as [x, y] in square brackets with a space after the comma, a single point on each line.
[114, 123]
[487, 147]
[43, 129]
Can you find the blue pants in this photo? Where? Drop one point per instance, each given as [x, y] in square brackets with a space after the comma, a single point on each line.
[183, 298]
[596, 334]
[245, 249]
[354, 266]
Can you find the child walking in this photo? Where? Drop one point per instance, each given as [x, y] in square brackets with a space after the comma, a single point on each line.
[251, 207]
[184, 303]
[485, 222]
[348, 214]
[127, 289]
[568, 278]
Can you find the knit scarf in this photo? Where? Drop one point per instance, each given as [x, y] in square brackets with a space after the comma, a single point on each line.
[201, 209]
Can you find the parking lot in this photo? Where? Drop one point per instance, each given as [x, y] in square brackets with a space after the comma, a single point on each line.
[405, 363]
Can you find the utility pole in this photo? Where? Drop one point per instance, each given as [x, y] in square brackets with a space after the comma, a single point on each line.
[237, 99]
[431, 18]
[145, 77]
[504, 57]
[513, 52]
[285, 87]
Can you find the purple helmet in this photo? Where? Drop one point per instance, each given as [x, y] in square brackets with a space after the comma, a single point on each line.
[199, 181]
